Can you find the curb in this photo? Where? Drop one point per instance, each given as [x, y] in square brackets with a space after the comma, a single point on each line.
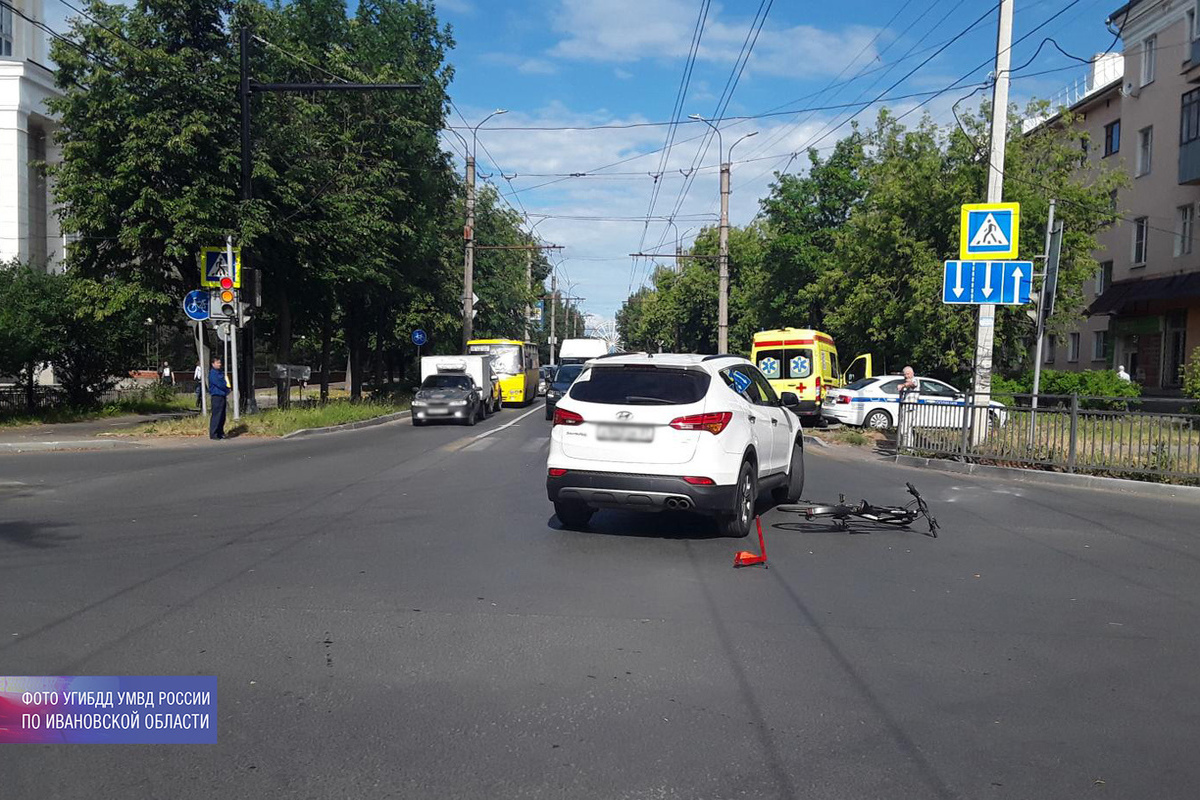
[1045, 477]
[348, 426]
[815, 440]
[69, 444]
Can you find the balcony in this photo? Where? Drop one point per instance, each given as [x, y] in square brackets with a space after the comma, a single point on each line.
[1191, 67]
[1189, 163]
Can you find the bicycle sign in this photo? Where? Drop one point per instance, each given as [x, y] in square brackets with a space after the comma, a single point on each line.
[195, 305]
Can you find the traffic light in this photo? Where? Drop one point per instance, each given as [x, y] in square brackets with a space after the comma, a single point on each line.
[223, 302]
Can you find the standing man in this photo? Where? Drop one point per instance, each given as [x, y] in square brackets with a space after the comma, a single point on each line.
[906, 409]
[218, 389]
[165, 374]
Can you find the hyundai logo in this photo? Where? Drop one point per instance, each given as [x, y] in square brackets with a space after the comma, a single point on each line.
[624, 415]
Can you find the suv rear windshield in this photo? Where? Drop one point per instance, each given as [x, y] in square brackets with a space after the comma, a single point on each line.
[638, 386]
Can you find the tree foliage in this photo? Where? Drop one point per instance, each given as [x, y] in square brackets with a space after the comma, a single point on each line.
[855, 247]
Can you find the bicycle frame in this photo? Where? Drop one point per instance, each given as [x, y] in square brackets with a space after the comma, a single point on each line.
[842, 513]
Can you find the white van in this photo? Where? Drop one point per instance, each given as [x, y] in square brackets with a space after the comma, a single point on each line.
[577, 351]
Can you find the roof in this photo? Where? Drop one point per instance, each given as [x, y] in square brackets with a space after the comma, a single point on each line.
[659, 359]
[1123, 10]
[1123, 294]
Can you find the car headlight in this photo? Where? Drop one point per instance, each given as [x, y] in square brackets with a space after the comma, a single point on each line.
[419, 403]
[457, 403]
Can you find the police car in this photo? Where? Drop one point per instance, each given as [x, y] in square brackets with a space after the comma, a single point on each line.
[875, 403]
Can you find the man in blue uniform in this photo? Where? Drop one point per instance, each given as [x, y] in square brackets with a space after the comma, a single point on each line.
[219, 389]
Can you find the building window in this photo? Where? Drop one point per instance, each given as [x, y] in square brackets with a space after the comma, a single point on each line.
[1184, 217]
[1190, 24]
[1104, 278]
[6, 31]
[1100, 346]
[1189, 117]
[1149, 51]
[1145, 150]
[1112, 137]
[1073, 348]
[1141, 227]
[1048, 355]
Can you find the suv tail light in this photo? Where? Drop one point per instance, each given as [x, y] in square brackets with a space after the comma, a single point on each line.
[843, 399]
[564, 417]
[696, 480]
[556, 472]
[713, 421]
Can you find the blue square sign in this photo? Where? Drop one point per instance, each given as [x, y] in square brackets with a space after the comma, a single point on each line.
[976, 282]
[956, 282]
[989, 230]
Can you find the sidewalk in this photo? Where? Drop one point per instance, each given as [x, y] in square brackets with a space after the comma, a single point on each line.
[76, 435]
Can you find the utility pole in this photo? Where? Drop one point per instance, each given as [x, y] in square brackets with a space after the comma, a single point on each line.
[528, 288]
[468, 298]
[245, 89]
[986, 328]
[723, 297]
[553, 316]
[469, 257]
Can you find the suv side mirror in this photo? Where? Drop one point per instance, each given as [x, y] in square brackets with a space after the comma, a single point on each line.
[789, 400]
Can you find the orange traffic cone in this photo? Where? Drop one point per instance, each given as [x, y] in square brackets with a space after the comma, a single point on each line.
[745, 558]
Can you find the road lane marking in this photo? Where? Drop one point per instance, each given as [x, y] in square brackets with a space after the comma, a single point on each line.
[533, 410]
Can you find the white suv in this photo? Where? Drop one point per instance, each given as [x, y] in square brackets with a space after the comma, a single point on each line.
[661, 431]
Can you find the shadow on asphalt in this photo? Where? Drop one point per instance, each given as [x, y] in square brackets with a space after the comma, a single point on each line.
[660, 525]
[38, 536]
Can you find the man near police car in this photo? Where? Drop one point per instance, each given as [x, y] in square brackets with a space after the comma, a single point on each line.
[218, 388]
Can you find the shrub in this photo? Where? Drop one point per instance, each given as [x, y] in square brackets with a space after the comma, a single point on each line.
[1190, 373]
[1086, 383]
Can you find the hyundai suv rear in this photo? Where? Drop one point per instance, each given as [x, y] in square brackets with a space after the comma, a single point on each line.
[652, 432]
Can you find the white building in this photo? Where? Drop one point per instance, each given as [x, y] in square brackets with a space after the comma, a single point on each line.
[29, 229]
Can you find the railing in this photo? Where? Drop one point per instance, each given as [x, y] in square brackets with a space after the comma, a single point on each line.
[15, 399]
[1096, 435]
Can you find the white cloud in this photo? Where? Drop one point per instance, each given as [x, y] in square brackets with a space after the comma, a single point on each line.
[596, 254]
[522, 64]
[623, 74]
[625, 31]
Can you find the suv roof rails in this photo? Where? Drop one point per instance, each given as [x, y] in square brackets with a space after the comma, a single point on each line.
[625, 353]
[719, 355]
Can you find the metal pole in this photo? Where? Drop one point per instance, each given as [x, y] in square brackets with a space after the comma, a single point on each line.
[553, 314]
[247, 195]
[233, 334]
[1041, 330]
[469, 255]
[723, 297]
[203, 368]
[986, 328]
[528, 289]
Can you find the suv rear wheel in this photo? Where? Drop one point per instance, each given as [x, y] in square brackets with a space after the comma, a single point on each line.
[572, 514]
[790, 492]
[737, 522]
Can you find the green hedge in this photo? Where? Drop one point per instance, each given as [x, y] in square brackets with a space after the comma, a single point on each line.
[1085, 383]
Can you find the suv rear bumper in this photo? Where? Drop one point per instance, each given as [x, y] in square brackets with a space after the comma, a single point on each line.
[638, 492]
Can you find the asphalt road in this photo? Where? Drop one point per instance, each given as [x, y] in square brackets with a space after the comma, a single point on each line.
[393, 612]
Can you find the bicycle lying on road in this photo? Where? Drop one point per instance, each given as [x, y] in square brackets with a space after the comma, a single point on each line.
[843, 513]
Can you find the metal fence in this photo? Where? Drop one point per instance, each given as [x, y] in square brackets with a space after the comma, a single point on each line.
[1133, 437]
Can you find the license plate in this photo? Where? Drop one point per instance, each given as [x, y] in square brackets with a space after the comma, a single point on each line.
[624, 433]
[438, 411]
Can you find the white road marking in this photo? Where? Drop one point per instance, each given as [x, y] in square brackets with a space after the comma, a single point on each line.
[535, 410]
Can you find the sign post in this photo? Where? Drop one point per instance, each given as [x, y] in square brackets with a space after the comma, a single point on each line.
[233, 352]
[203, 368]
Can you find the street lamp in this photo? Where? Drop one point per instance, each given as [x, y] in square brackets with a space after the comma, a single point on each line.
[723, 296]
[469, 230]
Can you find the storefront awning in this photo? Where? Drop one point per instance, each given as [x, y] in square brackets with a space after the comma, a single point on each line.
[1122, 295]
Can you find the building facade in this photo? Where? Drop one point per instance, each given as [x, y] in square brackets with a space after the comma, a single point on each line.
[1144, 304]
[29, 228]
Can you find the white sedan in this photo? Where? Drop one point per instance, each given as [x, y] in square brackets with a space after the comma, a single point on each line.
[875, 403]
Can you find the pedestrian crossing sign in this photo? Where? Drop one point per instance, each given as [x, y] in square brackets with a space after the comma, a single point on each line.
[214, 265]
[989, 231]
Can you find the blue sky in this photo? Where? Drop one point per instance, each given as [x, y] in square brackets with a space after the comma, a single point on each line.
[586, 62]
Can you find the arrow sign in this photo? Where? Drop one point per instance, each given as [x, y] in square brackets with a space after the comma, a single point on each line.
[956, 281]
[986, 280]
[1018, 282]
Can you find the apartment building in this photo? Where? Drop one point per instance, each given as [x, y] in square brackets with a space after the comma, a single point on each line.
[29, 229]
[1144, 304]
